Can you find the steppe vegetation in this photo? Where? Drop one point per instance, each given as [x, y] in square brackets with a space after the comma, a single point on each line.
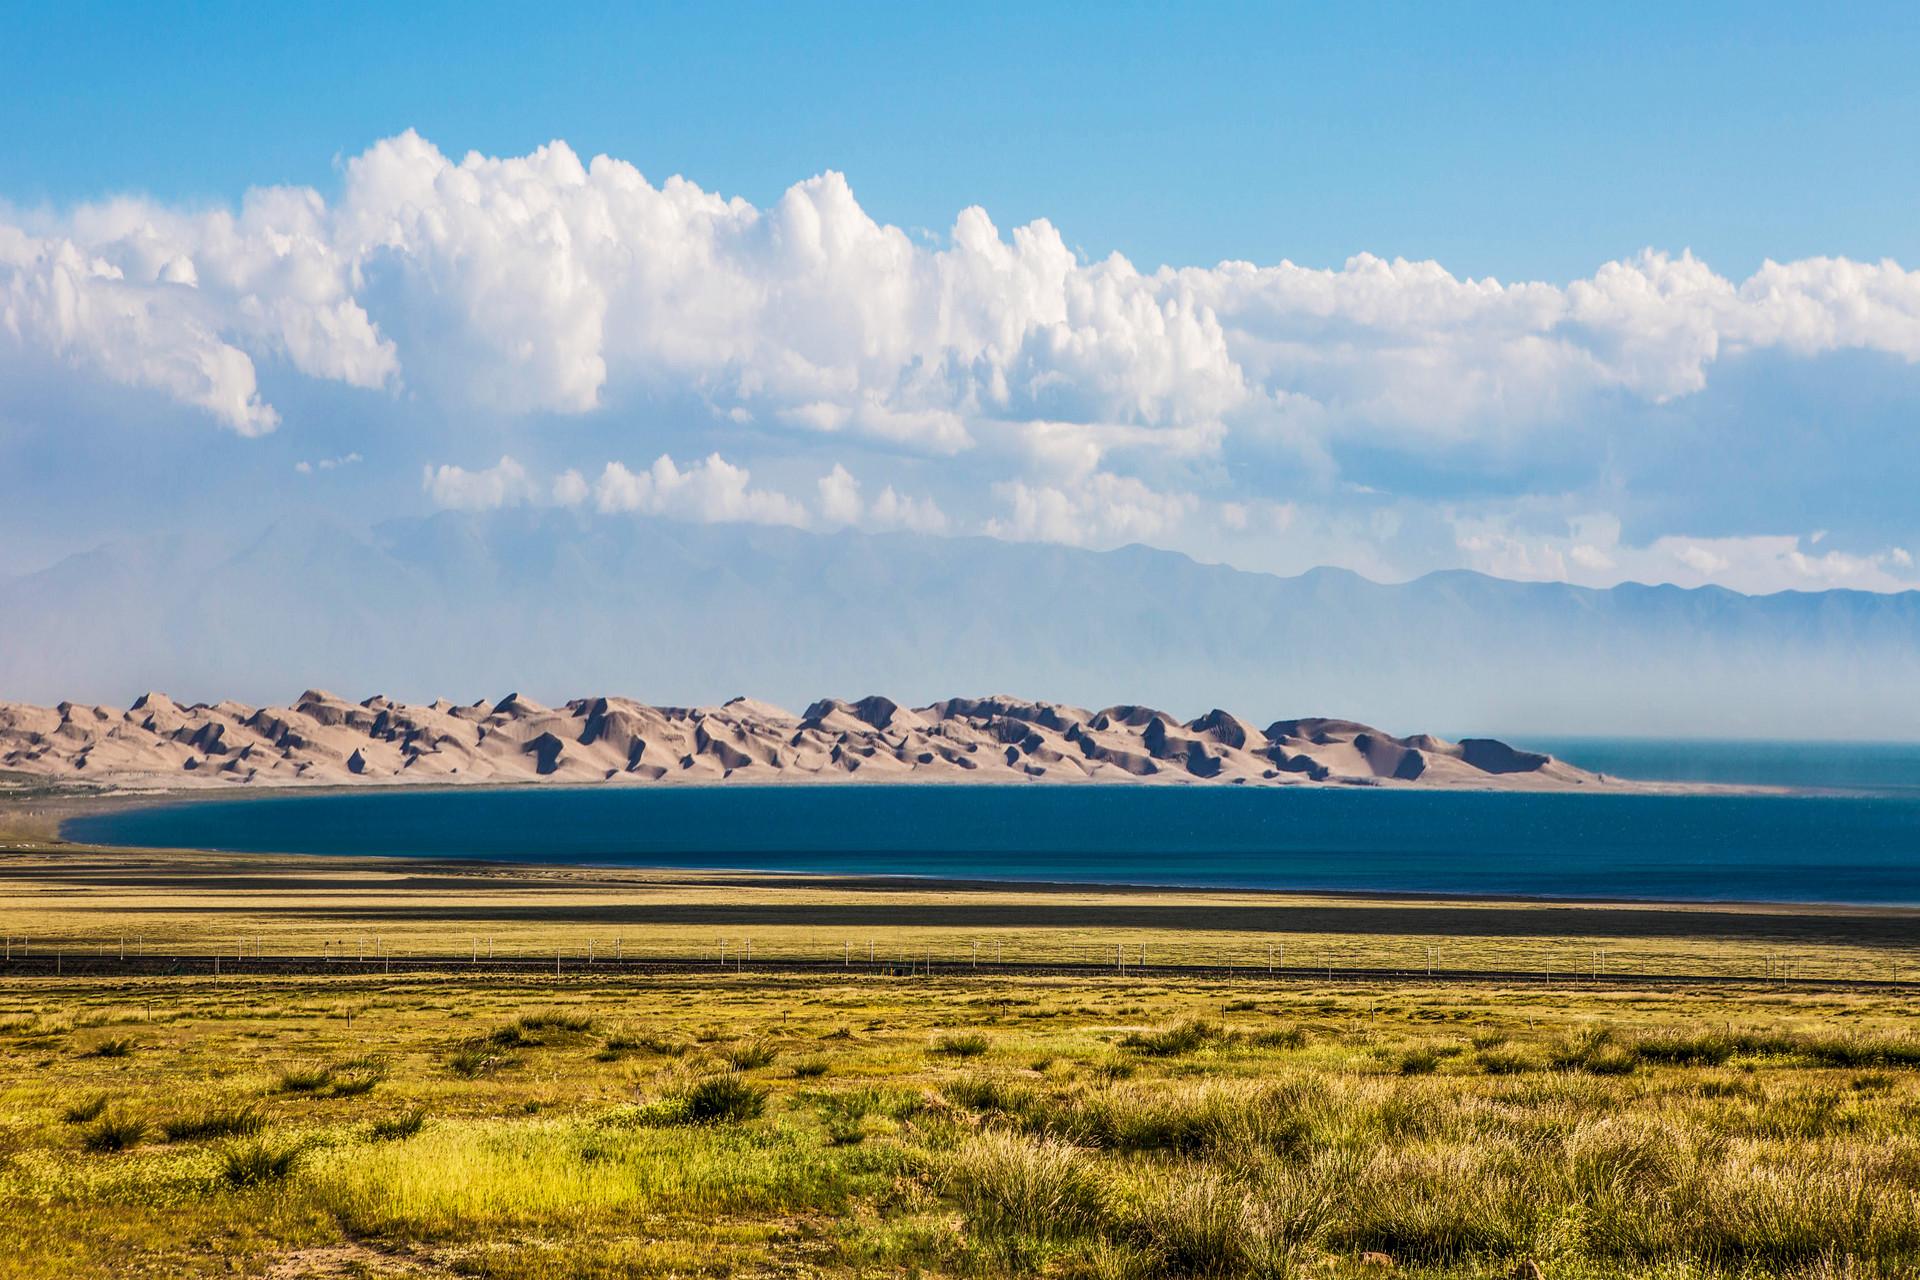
[754, 1125]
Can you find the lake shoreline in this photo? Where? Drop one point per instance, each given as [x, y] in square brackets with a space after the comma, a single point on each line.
[858, 871]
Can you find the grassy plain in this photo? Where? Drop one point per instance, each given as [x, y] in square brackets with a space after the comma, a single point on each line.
[963, 1124]
[743, 1125]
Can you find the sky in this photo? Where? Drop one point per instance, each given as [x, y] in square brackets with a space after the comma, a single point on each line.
[1624, 294]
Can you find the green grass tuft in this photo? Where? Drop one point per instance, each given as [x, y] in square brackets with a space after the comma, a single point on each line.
[723, 1099]
[114, 1131]
[401, 1126]
[218, 1122]
[86, 1109]
[968, 1045]
[1182, 1038]
[749, 1055]
[249, 1164]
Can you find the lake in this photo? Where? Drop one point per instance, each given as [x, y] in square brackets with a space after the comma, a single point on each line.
[1862, 846]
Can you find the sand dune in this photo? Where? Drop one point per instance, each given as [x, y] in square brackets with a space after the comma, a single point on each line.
[322, 739]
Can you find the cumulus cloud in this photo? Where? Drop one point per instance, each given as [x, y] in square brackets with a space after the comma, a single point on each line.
[1069, 399]
[504, 484]
[1103, 510]
[712, 490]
[841, 504]
[545, 283]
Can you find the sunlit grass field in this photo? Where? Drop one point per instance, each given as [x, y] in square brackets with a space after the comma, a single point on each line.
[743, 1125]
[970, 1123]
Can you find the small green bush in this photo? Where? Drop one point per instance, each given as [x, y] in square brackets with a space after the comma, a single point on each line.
[220, 1122]
[114, 1131]
[749, 1055]
[968, 1045]
[473, 1063]
[1182, 1038]
[305, 1079]
[721, 1100]
[555, 1021]
[1280, 1038]
[1422, 1061]
[117, 1048]
[249, 1164]
[1504, 1062]
[404, 1125]
[86, 1109]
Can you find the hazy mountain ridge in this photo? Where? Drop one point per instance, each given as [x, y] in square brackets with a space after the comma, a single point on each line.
[553, 601]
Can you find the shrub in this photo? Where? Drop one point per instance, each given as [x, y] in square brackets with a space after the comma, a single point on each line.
[555, 1020]
[1861, 1051]
[1597, 1053]
[619, 1042]
[88, 1108]
[749, 1055]
[809, 1068]
[114, 1131]
[249, 1164]
[1422, 1061]
[845, 1116]
[1504, 1062]
[473, 1063]
[116, 1048]
[1013, 1187]
[968, 1045]
[1709, 1049]
[1201, 1222]
[306, 1079]
[1280, 1038]
[404, 1125]
[227, 1122]
[720, 1100]
[1182, 1038]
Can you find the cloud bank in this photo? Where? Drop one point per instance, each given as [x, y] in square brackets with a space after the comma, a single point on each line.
[1087, 401]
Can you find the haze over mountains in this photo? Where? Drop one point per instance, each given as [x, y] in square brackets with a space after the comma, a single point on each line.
[551, 602]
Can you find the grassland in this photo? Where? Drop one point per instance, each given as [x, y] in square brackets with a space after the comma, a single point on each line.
[760, 1126]
[967, 1124]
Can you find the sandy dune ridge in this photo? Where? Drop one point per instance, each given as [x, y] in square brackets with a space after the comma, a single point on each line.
[325, 740]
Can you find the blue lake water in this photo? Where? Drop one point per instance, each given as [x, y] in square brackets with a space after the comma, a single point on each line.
[1859, 847]
[1871, 767]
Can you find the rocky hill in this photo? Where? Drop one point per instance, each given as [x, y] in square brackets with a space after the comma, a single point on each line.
[325, 740]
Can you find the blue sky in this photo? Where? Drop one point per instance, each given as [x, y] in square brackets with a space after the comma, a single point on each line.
[1521, 141]
[1669, 417]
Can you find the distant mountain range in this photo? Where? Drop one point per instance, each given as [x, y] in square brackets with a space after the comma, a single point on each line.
[550, 602]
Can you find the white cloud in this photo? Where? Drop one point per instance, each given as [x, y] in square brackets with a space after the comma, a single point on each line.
[570, 489]
[1078, 400]
[839, 497]
[307, 468]
[504, 484]
[712, 490]
[894, 511]
[542, 283]
[841, 504]
[1592, 554]
[1104, 510]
